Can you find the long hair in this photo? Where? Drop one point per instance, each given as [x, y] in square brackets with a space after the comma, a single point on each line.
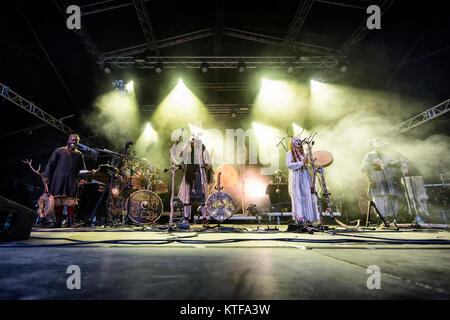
[294, 152]
[193, 166]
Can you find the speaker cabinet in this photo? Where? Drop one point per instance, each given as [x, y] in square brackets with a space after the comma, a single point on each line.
[16, 221]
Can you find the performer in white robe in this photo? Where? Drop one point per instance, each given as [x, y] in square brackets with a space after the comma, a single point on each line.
[194, 186]
[304, 204]
[383, 172]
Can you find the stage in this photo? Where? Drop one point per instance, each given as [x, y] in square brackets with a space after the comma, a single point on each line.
[239, 261]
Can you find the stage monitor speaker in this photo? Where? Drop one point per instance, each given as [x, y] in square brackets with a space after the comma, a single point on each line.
[16, 221]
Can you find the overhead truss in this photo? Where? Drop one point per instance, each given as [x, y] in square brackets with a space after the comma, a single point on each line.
[146, 25]
[30, 107]
[421, 118]
[221, 62]
[219, 30]
[218, 110]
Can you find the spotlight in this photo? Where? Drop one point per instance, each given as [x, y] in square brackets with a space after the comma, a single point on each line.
[129, 87]
[344, 68]
[241, 66]
[318, 79]
[158, 67]
[119, 85]
[204, 67]
[107, 70]
[290, 68]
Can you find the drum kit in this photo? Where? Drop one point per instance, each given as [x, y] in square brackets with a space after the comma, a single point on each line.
[141, 191]
[135, 189]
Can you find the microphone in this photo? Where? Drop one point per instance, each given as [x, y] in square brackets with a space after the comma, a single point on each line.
[72, 147]
[181, 135]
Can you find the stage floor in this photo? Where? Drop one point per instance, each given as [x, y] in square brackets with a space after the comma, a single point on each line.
[238, 262]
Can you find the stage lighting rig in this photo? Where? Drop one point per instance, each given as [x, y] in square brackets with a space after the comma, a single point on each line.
[158, 67]
[119, 85]
[204, 67]
[241, 66]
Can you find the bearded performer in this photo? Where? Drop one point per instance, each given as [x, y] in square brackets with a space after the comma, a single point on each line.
[61, 173]
[384, 174]
[197, 175]
[304, 205]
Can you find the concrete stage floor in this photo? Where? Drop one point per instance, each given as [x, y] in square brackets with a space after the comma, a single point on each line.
[247, 262]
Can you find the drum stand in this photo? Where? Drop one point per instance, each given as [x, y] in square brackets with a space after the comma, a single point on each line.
[328, 200]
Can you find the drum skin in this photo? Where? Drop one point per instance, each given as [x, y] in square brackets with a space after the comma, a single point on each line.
[46, 205]
[322, 158]
[220, 206]
[229, 176]
[144, 207]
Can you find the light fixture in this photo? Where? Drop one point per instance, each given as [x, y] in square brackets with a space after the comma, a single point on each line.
[343, 68]
[290, 68]
[241, 66]
[158, 67]
[204, 67]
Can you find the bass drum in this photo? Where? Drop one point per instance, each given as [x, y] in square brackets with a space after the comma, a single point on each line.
[144, 207]
[220, 206]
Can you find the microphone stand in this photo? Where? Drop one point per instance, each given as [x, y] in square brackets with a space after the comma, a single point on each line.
[108, 187]
[173, 168]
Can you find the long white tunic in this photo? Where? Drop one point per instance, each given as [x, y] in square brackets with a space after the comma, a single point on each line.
[304, 204]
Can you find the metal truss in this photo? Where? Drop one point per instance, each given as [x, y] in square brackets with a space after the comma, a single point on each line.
[297, 23]
[251, 62]
[103, 6]
[357, 4]
[421, 118]
[30, 107]
[146, 26]
[82, 33]
[162, 43]
[219, 110]
[218, 29]
[279, 42]
[361, 30]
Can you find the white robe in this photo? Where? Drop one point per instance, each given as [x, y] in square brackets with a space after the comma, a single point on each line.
[382, 188]
[304, 204]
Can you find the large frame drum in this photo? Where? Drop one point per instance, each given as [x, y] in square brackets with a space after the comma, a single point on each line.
[144, 207]
[220, 206]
